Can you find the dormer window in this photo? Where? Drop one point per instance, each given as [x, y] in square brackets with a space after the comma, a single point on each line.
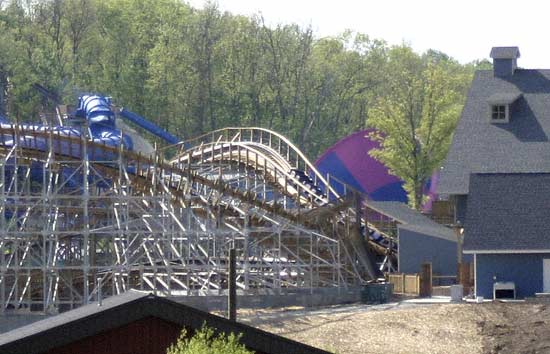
[499, 113]
[500, 106]
[505, 61]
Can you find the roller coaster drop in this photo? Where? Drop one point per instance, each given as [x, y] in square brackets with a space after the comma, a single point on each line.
[85, 216]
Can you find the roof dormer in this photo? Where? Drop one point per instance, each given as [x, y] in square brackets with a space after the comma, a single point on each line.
[500, 106]
[504, 61]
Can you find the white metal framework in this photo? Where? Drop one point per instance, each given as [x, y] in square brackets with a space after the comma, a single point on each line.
[79, 220]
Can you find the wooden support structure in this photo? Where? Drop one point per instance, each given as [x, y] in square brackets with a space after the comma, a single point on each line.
[142, 222]
[425, 280]
[232, 286]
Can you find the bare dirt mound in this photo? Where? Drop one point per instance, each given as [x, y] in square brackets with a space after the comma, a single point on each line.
[398, 329]
[490, 328]
[515, 328]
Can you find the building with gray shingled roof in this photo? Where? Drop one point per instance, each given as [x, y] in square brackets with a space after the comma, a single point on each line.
[134, 322]
[420, 239]
[497, 175]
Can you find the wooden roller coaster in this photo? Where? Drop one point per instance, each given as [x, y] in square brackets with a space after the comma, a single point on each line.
[82, 219]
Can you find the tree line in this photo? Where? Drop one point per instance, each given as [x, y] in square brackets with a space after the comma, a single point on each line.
[195, 70]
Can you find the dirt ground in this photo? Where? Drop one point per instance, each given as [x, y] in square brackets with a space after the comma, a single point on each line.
[399, 328]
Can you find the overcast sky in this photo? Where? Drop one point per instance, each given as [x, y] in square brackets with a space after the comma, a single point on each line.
[463, 29]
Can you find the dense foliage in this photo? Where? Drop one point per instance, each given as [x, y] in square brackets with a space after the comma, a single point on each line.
[193, 71]
[205, 342]
[416, 117]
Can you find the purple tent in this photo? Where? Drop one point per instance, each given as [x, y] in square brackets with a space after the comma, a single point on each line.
[349, 161]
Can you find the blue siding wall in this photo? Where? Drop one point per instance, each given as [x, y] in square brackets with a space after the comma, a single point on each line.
[503, 67]
[525, 270]
[416, 248]
[460, 208]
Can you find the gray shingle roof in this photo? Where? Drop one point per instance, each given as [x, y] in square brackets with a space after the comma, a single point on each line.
[508, 212]
[411, 219]
[401, 212]
[503, 98]
[438, 231]
[520, 146]
[70, 316]
[117, 311]
[9, 321]
[505, 52]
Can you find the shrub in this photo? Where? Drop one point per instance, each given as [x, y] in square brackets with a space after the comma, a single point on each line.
[204, 342]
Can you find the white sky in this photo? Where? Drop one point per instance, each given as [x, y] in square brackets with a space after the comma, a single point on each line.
[463, 29]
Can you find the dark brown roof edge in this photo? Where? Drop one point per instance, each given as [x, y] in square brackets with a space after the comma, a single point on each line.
[92, 319]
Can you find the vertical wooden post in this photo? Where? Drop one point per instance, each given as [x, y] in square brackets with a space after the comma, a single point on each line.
[358, 213]
[99, 294]
[232, 286]
[465, 277]
[219, 216]
[459, 240]
[426, 279]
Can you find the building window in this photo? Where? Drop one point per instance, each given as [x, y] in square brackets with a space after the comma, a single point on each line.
[498, 113]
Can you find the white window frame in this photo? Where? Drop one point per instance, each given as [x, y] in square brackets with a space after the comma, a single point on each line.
[506, 113]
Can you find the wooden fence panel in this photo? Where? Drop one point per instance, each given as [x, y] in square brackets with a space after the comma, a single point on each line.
[398, 282]
[412, 284]
[405, 283]
[422, 284]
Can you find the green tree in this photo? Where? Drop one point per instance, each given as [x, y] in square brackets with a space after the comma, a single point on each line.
[191, 71]
[417, 114]
[343, 80]
[204, 342]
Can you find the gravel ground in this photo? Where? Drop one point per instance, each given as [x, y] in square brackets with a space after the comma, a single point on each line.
[489, 328]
